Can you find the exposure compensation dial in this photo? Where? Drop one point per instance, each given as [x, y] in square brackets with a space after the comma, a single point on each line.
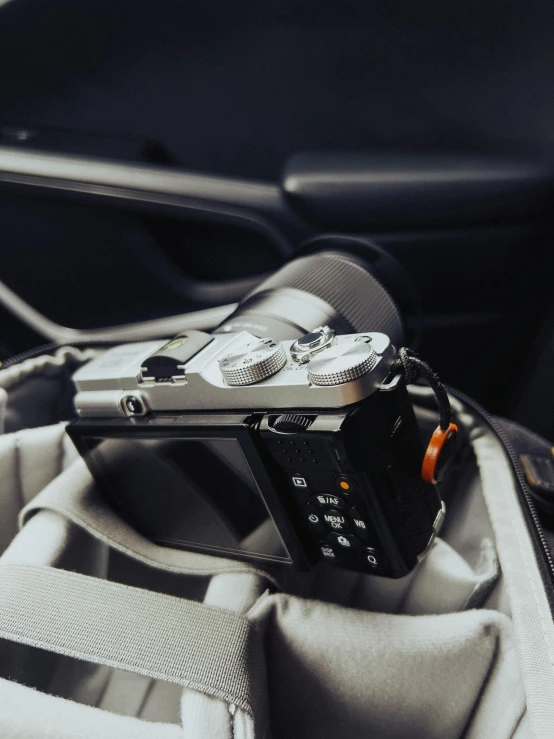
[342, 363]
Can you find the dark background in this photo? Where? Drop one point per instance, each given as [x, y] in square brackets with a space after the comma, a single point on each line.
[236, 89]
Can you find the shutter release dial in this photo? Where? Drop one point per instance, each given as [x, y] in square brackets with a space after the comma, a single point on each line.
[258, 360]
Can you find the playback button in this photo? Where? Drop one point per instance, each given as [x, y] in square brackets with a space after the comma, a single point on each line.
[298, 481]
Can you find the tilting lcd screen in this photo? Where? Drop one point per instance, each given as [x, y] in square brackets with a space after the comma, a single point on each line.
[198, 492]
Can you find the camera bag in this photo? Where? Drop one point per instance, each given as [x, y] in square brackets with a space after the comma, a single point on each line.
[104, 634]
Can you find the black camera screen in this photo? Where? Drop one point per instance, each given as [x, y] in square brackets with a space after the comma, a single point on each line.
[187, 492]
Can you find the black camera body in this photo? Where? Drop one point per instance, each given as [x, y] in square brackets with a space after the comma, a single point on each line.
[290, 452]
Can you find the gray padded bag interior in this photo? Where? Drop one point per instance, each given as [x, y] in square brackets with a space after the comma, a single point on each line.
[462, 647]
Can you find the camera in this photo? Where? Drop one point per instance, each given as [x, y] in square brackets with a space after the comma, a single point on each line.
[280, 438]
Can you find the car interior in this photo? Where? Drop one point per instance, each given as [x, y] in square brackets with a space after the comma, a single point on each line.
[171, 172]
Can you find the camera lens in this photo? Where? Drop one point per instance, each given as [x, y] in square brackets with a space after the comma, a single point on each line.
[334, 288]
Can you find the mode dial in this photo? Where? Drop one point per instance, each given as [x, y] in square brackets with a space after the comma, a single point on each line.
[258, 360]
[342, 363]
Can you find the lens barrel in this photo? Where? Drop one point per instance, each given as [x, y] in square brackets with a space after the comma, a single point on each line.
[332, 287]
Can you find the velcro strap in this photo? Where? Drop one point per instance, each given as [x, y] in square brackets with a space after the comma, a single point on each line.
[202, 647]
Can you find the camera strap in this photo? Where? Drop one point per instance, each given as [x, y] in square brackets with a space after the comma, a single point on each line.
[443, 443]
[412, 469]
[410, 368]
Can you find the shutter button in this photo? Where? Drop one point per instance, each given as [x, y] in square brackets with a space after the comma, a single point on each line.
[307, 346]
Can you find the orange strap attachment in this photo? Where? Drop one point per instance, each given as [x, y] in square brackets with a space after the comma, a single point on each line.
[431, 458]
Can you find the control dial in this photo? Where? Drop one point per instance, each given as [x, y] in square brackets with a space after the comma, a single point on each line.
[342, 363]
[258, 360]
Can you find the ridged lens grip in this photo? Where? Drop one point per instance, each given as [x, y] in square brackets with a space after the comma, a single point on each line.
[356, 299]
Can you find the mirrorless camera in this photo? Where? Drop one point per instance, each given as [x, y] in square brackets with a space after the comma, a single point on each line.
[279, 438]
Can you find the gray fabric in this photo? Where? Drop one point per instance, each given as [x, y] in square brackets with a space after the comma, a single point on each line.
[3, 409]
[203, 647]
[446, 583]
[529, 607]
[74, 495]
[332, 671]
[335, 672]
[203, 716]
[44, 365]
[51, 540]
[40, 387]
[29, 714]
[29, 460]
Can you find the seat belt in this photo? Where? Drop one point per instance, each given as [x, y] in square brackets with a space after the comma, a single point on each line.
[209, 649]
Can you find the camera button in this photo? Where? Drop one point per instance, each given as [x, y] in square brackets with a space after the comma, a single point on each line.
[345, 484]
[298, 481]
[327, 551]
[313, 517]
[344, 541]
[335, 520]
[360, 526]
[372, 557]
[134, 406]
[324, 500]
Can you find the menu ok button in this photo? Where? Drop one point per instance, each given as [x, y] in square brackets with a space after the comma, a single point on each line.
[335, 520]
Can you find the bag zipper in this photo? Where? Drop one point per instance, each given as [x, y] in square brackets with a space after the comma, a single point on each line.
[540, 546]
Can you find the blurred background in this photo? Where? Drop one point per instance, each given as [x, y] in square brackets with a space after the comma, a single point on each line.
[160, 158]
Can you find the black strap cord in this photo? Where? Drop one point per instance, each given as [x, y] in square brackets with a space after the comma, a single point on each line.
[411, 368]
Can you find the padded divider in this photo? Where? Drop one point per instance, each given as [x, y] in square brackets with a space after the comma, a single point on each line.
[29, 460]
[340, 672]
